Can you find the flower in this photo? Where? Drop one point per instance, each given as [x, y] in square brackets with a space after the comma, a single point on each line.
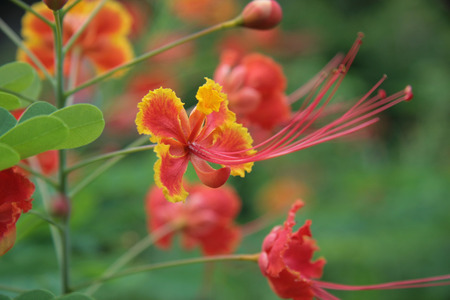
[255, 85]
[179, 138]
[104, 42]
[286, 262]
[212, 135]
[204, 12]
[286, 259]
[262, 14]
[206, 219]
[15, 198]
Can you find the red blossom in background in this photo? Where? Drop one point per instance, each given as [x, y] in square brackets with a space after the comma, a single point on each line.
[15, 198]
[256, 86]
[207, 218]
[286, 262]
[104, 42]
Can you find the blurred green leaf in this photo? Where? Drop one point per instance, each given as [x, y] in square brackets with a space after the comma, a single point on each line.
[7, 121]
[36, 135]
[34, 89]
[75, 296]
[9, 101]
[36, 295]
[37, 109]
[8, 157]
[85, 122]
[16, 76]
[3, 297]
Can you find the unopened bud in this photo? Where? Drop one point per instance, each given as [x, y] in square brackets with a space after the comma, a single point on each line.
[262, 14]
[55, 4]
[60, 207]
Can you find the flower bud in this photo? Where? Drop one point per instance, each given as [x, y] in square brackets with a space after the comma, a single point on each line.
[262, 14]
[55, 4]
[60, 207]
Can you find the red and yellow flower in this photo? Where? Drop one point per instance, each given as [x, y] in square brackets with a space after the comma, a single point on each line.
[180, 139]
[206, 219]
[15, 197]
[104, 42]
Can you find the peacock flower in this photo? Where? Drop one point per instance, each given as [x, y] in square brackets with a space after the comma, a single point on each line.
[15, 198]
[286, 262]
[104, 42]
[211, 134]
[211, 126]
[206, 219]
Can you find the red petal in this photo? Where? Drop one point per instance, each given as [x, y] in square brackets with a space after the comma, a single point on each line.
[208, 175]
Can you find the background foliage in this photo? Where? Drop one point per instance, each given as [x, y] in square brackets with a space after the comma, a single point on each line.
[379, 203]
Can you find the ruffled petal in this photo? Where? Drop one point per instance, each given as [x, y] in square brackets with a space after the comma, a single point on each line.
[7, 240]
[169, 170]
[112, 19]
[161, 115]
[210, 97]
[35, 28]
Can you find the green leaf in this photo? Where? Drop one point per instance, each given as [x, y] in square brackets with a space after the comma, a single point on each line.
[3, 297]
[75, 296]
[8, 157]
[36, 135]
[7, 121]
[9, 101]
[16, 76]
[34, 89]
[85, 122]
[36, 295]
[37, 109]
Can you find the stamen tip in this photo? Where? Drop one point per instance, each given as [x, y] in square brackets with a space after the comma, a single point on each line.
[408, 93]
[382, 94]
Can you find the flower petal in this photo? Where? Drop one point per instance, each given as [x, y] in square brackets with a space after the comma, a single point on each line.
[210, 97]
[161, 114]
[208, 175]
[35, 28]
[112, 19]
[7, 240]
[169, 171]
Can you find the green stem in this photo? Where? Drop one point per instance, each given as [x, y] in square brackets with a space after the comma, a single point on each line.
[18, 95]
[31, 10]
[46, 219]
[224, 25]
[16, 40]
[176, 263]
[133, 252]
[108, 164]
[74, 66]
[77, 34]
[109, 155]
[63, 184]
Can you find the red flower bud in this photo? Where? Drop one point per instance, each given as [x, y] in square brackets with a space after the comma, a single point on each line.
[55, 4]
[60, 207]
[262, 14]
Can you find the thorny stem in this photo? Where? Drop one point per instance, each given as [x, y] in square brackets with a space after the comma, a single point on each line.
[16, 40]
[77, 34]
[176, 263]
[109, 155]
[224, 25]
[133, 252]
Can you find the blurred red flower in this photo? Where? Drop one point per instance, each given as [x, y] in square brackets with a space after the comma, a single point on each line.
[104, 42]
[15, 198]
[206, 219]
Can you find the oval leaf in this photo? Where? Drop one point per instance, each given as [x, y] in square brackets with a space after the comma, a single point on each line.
[75, 296]
[36, 295]
[36, 135]
[7, 121]
[8, 157]
[16, 76]
[85, 122]
[34, 89]
[37, 109]
[9, 101]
